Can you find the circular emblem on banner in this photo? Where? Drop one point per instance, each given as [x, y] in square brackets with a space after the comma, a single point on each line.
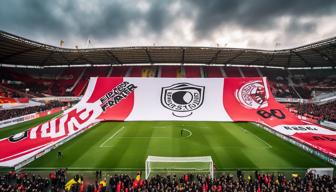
[252, 95]
[182, 98]
[18, 137]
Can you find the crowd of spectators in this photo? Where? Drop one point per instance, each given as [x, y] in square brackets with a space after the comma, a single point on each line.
[21, 182]
[11, 113]
[57, 181]
[321, 112]
[260, 182]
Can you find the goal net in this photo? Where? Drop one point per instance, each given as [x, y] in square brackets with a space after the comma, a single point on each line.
[163, 165]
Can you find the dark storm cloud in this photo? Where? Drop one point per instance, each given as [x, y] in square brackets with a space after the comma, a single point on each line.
[24, 17]
[296, 27]
[62, 19]
[256, 14]
[111, 19]
[158, 16]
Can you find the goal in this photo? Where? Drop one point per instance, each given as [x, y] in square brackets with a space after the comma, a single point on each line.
[158, 164]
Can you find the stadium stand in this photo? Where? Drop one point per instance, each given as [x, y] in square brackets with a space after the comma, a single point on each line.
[249, 71]
[89, 72]
[8, 114]
[192, 71]
[169, 71]
[141, 71]
[212, 72]
[119, 71]
[321, 112]
[286, 84]
[232, 72]
[58, 181]
[149, 72]
[136, 71]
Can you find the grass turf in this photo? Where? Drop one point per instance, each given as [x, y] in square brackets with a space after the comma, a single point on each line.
[126, 145]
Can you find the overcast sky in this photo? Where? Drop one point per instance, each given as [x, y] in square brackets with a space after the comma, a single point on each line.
[265, 24]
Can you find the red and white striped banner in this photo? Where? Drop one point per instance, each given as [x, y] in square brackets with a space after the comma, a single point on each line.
[165, 99]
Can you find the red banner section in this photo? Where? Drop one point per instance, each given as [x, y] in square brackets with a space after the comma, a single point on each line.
[165, 99]
[4, 100]
[250, 99]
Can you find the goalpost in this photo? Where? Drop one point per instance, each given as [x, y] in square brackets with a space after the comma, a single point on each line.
[158, 164]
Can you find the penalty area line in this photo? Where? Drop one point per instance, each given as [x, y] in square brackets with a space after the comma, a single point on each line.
[116, 133]
[155, 137]
[135, 137]
[260, 139]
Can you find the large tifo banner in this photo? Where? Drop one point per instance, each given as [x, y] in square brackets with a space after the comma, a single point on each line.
[167, 99]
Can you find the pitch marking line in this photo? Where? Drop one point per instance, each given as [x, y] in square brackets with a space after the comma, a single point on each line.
[142, 137]
[260, 139]
[153, 137]
[190, 133]
[135, 137]
[116, 133]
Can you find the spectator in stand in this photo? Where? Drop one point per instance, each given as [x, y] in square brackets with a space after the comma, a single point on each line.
[8, 114]
[262, 182]
[321, 112]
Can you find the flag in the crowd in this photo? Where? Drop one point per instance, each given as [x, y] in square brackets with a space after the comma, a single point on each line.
[61, 43]
[138, 177]
[69, 184]
[295, 175]
[103, 183]
[180, 73]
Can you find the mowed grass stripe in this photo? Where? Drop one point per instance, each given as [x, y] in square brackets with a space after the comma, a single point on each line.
[231, 145]
[234, 141]
[282, 152]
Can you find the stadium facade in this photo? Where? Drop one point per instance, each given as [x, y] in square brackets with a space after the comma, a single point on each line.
[295, 76]
[18, 51]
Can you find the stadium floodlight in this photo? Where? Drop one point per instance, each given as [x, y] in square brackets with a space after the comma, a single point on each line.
[158, 164]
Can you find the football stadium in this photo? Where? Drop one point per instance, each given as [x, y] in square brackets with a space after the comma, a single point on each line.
[166, 117]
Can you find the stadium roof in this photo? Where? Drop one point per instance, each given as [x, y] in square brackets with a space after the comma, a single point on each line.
[17, 50]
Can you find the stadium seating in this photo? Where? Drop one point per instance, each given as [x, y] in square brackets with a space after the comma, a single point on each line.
[326, 111]
[149, 72]
[169, 71]
[250, 72]
[212, 72]
[89, 72]
[192, 71]
[136, 71]
[232, 72]
[119, 71]
[8, 114]
[286, 84]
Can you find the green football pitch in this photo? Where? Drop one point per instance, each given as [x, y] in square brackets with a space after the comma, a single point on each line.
[126, 145]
